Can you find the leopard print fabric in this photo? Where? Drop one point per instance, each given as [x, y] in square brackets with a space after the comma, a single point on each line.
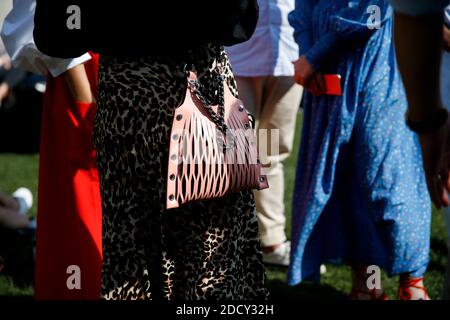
[203, 250]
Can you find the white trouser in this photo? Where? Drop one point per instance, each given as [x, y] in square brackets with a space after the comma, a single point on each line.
[274, 101]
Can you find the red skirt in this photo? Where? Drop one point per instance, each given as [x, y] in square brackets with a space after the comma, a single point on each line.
[69, 219]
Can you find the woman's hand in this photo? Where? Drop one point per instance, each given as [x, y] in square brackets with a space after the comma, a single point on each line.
[317, 84]
[79, 85]
[436, 160]
[303, 71]
[308, 77]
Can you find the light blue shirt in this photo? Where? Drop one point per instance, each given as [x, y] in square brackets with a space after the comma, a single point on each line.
[419, 7]
[272, 48]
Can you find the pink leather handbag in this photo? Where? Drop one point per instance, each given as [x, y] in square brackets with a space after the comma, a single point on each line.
[212, 148]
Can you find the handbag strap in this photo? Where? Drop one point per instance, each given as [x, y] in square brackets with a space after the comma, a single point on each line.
[217, 117]
[217, 82]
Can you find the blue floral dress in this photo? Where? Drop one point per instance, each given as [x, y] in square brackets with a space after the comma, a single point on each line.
[360, 193]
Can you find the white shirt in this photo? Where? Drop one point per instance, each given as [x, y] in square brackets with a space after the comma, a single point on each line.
[5, 7]
[17, 35]
[272, 48]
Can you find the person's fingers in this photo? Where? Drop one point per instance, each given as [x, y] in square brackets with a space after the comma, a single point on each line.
[299, 79]
[303, 71]
[300, 74]
[305, 79]
[312, 86]
[320, 82]
[309, 86]
[316, 86]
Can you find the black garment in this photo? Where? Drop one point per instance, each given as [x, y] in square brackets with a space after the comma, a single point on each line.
[204, 250]
[141, 27]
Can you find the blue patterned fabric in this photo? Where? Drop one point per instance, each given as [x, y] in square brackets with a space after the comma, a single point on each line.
[360, 193]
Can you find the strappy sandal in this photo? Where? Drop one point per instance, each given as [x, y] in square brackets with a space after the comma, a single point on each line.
[372, 295]
[406, 285]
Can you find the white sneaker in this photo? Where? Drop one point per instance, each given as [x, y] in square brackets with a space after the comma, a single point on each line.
[280, 257]
[25, 199]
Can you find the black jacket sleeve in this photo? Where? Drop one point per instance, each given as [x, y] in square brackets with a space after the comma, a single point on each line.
[69, 28]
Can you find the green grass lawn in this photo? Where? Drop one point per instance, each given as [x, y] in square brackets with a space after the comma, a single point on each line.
[17, 171]
[22, 170]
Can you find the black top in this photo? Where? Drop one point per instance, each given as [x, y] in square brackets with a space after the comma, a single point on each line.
[140, 27]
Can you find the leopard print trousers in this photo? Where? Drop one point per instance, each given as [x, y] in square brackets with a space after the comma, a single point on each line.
[203, 250]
